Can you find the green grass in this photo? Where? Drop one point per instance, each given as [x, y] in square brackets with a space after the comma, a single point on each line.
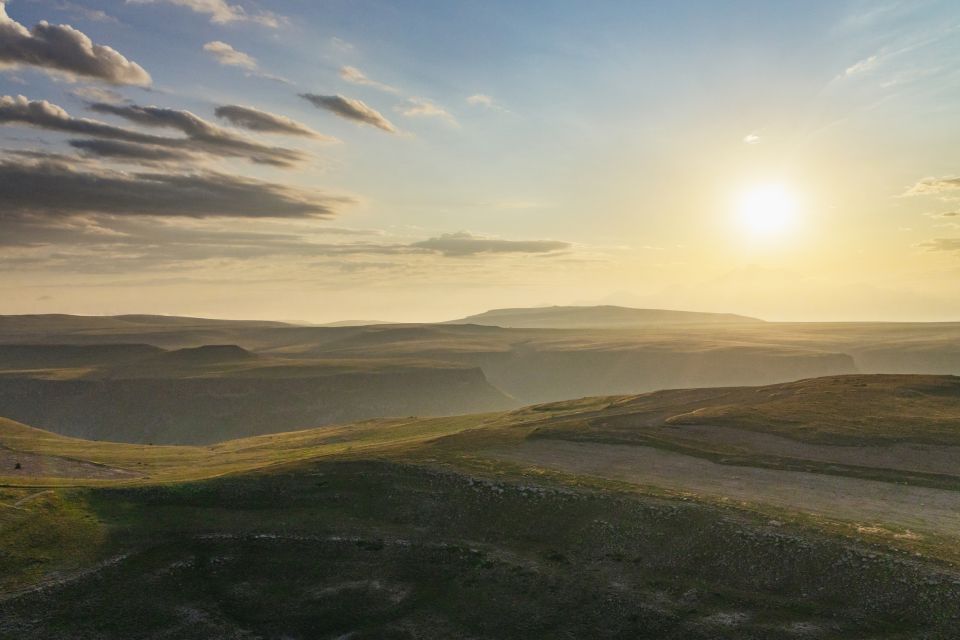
[398, 550]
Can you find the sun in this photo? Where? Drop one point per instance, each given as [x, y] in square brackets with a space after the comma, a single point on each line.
[767, 210]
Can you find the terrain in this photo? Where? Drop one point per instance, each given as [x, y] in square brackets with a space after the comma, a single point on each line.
[175, 380]
[596, 317]
[145, 394]
[784, 511]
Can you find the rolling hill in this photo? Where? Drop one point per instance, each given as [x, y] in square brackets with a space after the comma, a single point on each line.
[470, 526]
[63, 372]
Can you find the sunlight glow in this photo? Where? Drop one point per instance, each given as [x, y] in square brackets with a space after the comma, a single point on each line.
[767, 210]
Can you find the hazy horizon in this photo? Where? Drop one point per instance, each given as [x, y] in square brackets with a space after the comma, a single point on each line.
[425, 161]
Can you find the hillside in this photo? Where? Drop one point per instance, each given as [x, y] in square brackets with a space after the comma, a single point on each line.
[529, 365]
[140, 394]
[459, 527]
[595, 317]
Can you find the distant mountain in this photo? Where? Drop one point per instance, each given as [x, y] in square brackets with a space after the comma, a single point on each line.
[596, 317]
[354, 323]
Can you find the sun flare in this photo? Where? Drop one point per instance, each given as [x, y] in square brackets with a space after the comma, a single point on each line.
[767, 210]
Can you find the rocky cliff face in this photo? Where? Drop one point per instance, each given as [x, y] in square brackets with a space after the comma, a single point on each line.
[207, 410]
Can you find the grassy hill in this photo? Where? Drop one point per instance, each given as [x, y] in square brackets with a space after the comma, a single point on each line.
[472, 526]
[63, 372]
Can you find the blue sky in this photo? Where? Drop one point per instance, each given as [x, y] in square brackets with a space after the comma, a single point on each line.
[546, 153]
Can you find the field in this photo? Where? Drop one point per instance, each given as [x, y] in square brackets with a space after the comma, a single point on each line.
[475, 526]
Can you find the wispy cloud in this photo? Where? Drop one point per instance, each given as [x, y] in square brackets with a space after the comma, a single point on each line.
[950, 245]
[225, 54]
[355, 76]
[423, 108]
[468, 244]
[202, 132]
[351, 109]
[201, 136]
[97, 94]
[222, 12]
[751, 138]
[228, 56]
[65, 51]
[266, 122]
[861, 67]
[485, 101]
[93, 15]
[933, 186]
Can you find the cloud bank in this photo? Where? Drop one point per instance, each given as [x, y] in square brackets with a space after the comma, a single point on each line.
[63, 50]
[58, 189]
[201, 136]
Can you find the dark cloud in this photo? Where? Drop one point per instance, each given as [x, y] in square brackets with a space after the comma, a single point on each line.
[934, 186]
[265, 122]
[350, 109]
[51, 188]
[466, 244]
[202, 136]
[64, 50]
[132, 152]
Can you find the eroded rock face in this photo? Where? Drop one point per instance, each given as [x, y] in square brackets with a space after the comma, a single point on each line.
[207, 410]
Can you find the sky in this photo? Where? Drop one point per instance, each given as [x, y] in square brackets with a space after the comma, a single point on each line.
[322, 160]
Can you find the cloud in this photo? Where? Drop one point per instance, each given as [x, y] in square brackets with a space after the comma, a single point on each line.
[929, 186]
[202, 136]
[480, 99]
[485, 101]
[139, 153]
[93, 15]
[56, 189]
[230, 57]
[950, 245]
[355, 76]
[227, 55]
[862, 66]
[350, 109]
[265, 122]
[97, 94]
[467, 244]
[423, 108]
[751, 138]
[63, 50]
[222, 12]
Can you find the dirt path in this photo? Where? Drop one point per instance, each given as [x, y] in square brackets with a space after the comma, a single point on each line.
[851, 499]
[922, 458]
[21, 464]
